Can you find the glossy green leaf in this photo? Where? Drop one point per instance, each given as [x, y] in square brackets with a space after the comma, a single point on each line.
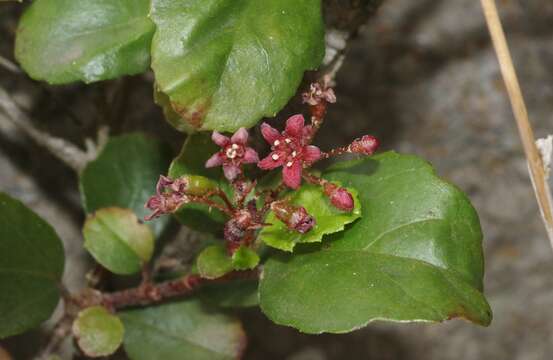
[244, 258]
[125, 175]
[232, 62]
[196, 150]
[415, 255]
[170, 114]
[329, 219]
[186, 329]
[62, 41]
[214, 262]
[116, 239]
[31, 266]
[98, 332]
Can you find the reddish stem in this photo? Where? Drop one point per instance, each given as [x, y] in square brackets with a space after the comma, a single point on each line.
[312, 179]
[206, 201]
[336, 152]
[150, 293]
[223, 196]
[318, 113]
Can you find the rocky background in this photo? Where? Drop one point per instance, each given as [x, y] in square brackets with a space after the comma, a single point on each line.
[423, 77]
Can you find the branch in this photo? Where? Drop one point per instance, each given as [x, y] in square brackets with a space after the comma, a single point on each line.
[150, 293]
[67, 152]
[344, 18]
[535, 162]
[61, 330]
[8, 65]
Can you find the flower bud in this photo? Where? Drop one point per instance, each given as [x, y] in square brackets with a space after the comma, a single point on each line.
[197, 185]
[295, 217]
[339, 197]
[233, 233]
[366, 145]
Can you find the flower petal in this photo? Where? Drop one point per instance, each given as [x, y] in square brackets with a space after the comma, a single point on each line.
[291, 175]
[307, 132]
[162, 183]
[216, 160]
[311, 153]
[231, 171]
[250, 156]
[220, 139]
[269, 163]
[269, 133]
[240, 136]
[294, 126]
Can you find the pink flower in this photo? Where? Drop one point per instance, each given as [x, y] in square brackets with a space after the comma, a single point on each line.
[289, 149]
[233, 153]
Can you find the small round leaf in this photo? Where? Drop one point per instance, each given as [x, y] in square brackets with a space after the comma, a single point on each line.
[118, 241]
[214, 262]
[244, 258]
[98, 332]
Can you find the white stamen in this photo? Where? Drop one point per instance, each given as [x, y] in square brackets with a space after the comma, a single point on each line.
[234, 146]
[275, 157]
[288, 141]
[231, 153]
[289, 164]
[276, 143]
[294, 153]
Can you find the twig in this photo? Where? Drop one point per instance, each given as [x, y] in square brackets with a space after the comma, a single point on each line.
[150, 293]
[8, 65]
[535, 161]
[68, 153]
[61, 330]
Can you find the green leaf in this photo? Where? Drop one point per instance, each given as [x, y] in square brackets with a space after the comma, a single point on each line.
[98, 332]
[31, 266]
[415, 255]
[196, 150]
[170, 114]
[244, 258]
[233, 294]
[62, 41]
[118, 241]
[329, 219]
[125, 175]
[186, 329]
[230, 63]
[214, 262]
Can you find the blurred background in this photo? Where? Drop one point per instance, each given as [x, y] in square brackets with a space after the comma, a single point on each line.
[421, 76]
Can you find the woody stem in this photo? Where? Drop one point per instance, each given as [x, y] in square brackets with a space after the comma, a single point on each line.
[149, 293]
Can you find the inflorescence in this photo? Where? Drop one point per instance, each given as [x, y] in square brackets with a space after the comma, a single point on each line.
[291, 150]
